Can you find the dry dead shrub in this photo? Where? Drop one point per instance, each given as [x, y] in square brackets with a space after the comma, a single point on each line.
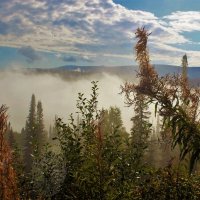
[8, 186]
[175, 100]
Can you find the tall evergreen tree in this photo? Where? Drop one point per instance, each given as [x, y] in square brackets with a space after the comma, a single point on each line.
[10, 136]
[184, 66]
[112, 121]
[40, 128]
[153, 155]
[141, 127]
[30, 133]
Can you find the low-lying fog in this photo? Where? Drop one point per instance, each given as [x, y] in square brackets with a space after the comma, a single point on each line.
[58, 96]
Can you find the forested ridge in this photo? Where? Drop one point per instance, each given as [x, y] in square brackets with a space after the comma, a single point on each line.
[92, 156]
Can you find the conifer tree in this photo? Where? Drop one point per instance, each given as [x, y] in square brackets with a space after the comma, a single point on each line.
[40, 128]
[30, 133]
[112, 121]
[141, 127]
[153, 152]
[184, 66]
[10, 136]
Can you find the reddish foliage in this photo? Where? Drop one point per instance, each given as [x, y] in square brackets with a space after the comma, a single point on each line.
[8, 186]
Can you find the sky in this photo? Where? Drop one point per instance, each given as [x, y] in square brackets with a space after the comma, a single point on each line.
[53, 33]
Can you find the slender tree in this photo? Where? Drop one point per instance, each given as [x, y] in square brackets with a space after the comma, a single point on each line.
[40, 128]
[141, 128]
[112, 121]
[184, 67]
[30, 133]
[10, 136]
[153, 152]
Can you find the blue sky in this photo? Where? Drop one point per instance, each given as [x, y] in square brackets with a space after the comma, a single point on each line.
[161, 7]
[52, 33]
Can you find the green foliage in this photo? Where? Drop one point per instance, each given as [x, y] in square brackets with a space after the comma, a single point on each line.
[141, 127]
[40, 128]
[34, 133]
[96, 153]
[97, 159]
[78, 146]
[167, 184]
[178, 101]
[47, 173]
[30, 132]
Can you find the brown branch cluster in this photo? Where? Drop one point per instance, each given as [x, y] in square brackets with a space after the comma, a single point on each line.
[178, 101]
[8, 186]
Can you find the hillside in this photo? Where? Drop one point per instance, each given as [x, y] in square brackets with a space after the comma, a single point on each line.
[75, 72]
[124, 72]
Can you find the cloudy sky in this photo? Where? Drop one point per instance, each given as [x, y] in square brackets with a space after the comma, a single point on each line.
[51, 33]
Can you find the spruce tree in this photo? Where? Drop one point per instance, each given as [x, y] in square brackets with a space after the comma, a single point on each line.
[184, 66]
[30, 133]
[10, 136]
[141, 128]
[40, 128]
[112, 121]
[153, 152]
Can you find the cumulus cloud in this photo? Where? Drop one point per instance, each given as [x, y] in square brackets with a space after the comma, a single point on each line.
[29, 53]
[93, 22]
[88, 27]
[184, 21]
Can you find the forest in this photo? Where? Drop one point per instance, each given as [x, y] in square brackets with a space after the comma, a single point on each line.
[92, 156]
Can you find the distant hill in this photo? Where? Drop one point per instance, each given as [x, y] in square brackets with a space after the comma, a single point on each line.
[193, 72]
[74, 72]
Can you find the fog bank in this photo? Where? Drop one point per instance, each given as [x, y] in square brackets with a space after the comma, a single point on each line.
[58, 96]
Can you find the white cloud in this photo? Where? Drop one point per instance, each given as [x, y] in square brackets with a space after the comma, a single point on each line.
[85, 22]
[184, 21]
[83, 27]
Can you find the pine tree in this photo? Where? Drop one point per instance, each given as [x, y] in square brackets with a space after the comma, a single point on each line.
[112, 121]
[10, 136]
[141, 128]
[184, 66]
[153, 152]
[40, 128]
[30, 133]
